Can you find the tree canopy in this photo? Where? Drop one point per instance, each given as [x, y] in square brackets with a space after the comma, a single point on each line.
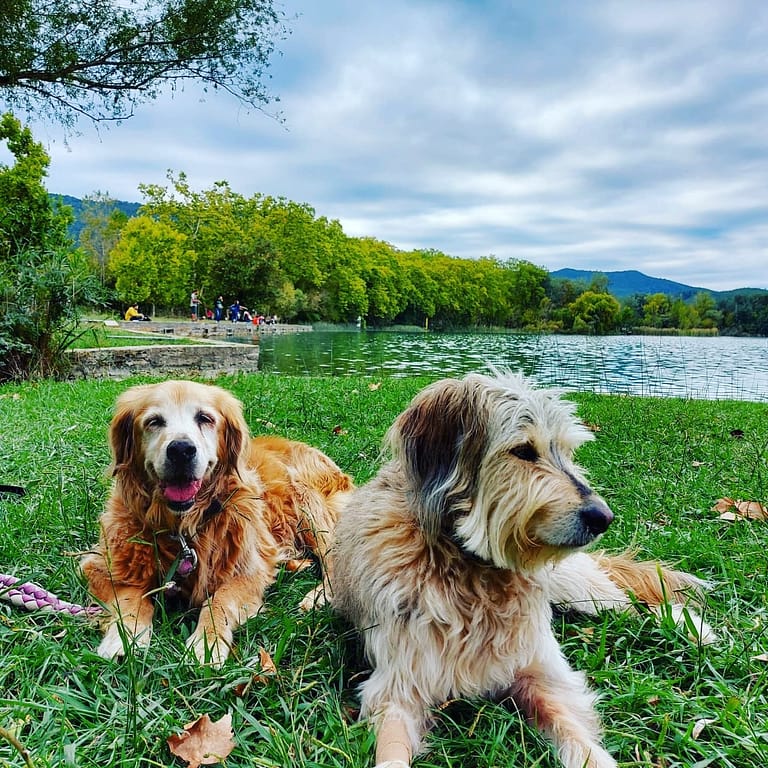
[42, 279]
[101, 58]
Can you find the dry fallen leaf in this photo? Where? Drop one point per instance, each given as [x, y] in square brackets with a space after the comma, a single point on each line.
[699, 726]
[761, 657]
[204, 742]
[267, 665]
[267, 670]
[374, 386]
[339, 430]
[731, 509]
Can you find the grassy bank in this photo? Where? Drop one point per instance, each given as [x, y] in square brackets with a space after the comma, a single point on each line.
[660, 464]
[99, 337]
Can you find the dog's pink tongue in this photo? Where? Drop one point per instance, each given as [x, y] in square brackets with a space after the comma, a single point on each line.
[181, 493]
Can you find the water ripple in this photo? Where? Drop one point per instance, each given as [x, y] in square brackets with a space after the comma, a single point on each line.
[708, 368]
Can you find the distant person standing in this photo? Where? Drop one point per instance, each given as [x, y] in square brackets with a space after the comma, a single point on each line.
[194, 305]
[219, 309]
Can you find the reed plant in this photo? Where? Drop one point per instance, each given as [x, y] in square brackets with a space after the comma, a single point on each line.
[665, 701]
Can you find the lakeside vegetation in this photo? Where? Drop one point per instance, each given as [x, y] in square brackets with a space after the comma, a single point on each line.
[278, 257]
[665, 702]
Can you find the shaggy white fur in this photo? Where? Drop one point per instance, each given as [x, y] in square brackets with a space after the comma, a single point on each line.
[449, 560]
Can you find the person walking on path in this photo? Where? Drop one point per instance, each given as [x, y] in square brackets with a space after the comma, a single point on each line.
[218, 314]
[194, 305]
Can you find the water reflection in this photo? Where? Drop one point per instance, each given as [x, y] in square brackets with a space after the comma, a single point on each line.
[711, 368]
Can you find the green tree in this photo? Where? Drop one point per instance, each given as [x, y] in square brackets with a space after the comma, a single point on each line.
[705, 306]
[152, 263]
[42, 280]
[596, 313]
[102, 224]
[380, 270]
[27, 217]
[656, 310]
[421, 288]
[345, 296]
[102, 59]
[527, 287]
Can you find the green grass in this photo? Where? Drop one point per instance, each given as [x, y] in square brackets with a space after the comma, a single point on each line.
[100, 336]
[659, 463]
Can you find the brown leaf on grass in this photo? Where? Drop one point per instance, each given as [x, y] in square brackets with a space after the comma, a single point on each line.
[203, 742]
[267, 669]
[591, 427]
[731, 510]
[374, 386]
[267, 665]
[339, 430]
[761, 657]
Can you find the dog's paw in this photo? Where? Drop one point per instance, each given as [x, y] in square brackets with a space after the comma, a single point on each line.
[209, 649]
[315, 598]
[112, 645]
[578, 755]
[599, 758]
[698, 630]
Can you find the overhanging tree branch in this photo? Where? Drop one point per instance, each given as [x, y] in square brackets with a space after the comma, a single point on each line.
[101, 60]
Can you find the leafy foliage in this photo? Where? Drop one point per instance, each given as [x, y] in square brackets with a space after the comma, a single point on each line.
[152, 263]
[27, 217]
[101, 59]
[42, 281]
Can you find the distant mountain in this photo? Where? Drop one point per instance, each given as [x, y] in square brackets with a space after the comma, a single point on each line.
[130, 209]
[628, 282]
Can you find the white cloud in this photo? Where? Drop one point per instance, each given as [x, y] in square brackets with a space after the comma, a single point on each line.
[608, 135]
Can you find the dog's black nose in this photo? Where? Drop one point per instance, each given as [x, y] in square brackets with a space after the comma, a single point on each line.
[180, 452]
[596, 517]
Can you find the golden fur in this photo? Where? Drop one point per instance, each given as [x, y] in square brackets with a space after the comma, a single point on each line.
[187, 474]
[449, 559]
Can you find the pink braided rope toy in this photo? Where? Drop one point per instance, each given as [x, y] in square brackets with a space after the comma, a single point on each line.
[35, 598]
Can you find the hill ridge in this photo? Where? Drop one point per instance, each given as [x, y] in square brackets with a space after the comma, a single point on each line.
[627, 282]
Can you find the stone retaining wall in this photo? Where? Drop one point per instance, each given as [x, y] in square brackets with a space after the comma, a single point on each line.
[183, 361]
[208, 329]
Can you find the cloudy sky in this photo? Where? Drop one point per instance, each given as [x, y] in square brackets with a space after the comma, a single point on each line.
[595, 135]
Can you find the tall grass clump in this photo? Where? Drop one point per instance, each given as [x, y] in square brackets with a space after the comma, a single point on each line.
[665, 701]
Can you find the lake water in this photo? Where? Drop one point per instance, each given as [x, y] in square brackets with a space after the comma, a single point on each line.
[709, 367]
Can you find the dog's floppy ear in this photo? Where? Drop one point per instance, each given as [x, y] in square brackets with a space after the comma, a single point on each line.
[235, 435]
[440, 440]
[121, 438]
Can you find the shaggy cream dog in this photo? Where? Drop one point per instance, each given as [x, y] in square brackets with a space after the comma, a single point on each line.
[449, 559]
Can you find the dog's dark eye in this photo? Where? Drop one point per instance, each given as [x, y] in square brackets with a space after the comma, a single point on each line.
[204, 419]
[153, 422]
[525, 452]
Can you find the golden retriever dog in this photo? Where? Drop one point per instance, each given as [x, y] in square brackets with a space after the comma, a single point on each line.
[200, 508]
[449, 560]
